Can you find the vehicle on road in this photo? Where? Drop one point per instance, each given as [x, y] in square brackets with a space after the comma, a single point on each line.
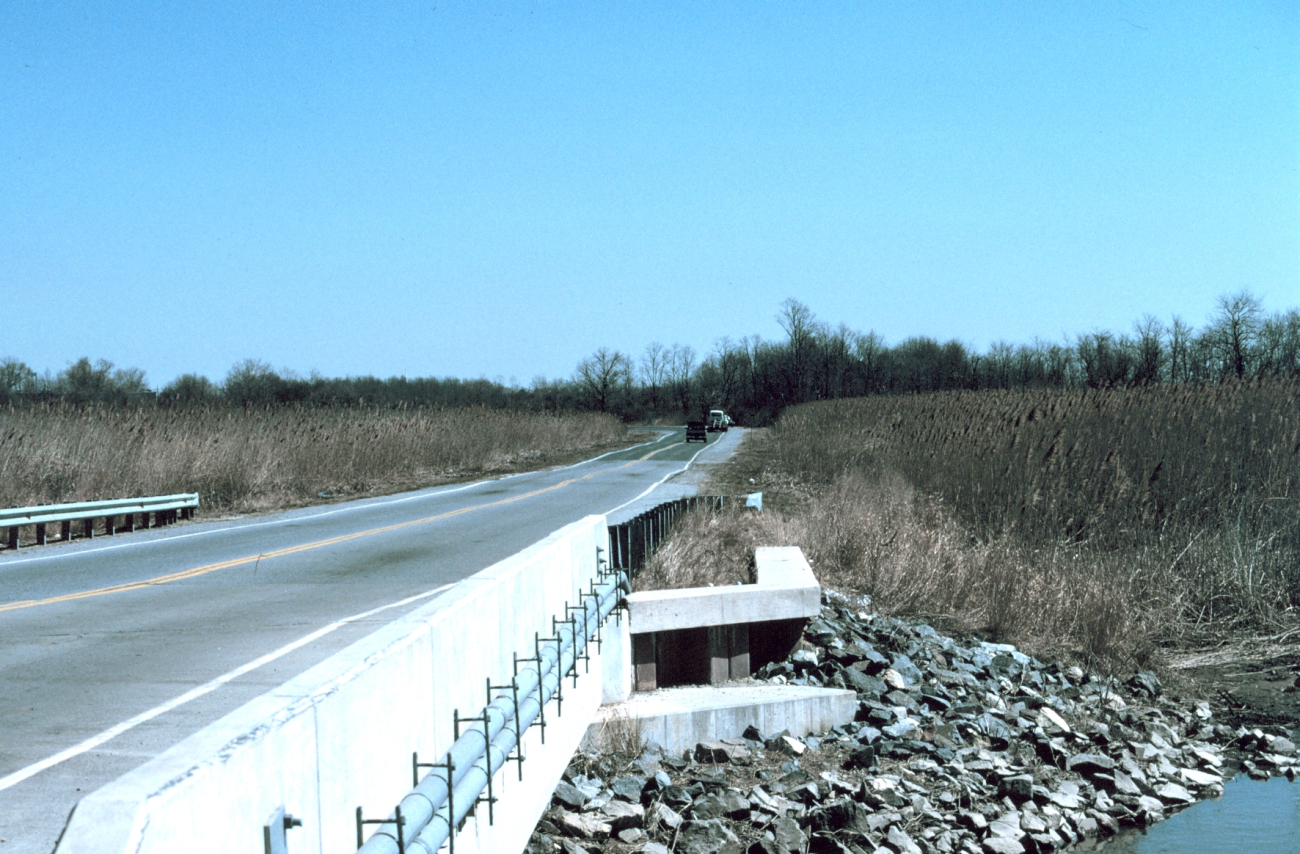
[696, 431]
[718, 421]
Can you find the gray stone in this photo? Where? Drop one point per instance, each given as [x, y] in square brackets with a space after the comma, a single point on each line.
[719, 752]
[1150, 804]
[727, 803]
[676, 797]
[825, 843]
[788, 835]
[627, 788]
[1019, 788]
[862, 683]
[1065, 800]
[570, 795]
[1124, 784]
[1172, 793]
[904, 667]
[540, 844]
[788, 745]
[1031, 823]
[839, 816]
[1090, 763]
[1282, 746]
[585, 826]
[1106, 824]
[894, 680]
[666, 816]
[1007, 824]
[1002, 845]
[1086, 825]
[902, 729]
[901, 842]
[707, 837]
[622, 815]
[568, 846]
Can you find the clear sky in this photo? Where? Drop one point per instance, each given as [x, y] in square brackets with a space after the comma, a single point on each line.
[497, 189]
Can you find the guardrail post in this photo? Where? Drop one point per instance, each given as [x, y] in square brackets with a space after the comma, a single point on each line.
[40, 534]
[128, 522]
[65, 529]
[108, 526]
[89, 529]
[13, 537]
[144, 520]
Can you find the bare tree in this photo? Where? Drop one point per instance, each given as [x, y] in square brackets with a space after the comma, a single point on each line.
[1278, 345]
[870, 351]
[1150, 350]
[729, 359]
[1179, 335]
[681, 367]
[654, 367]
[799, 324]
[1234, 330]
[599, 376]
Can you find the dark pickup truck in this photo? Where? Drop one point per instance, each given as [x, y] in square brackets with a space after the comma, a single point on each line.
[695, 430]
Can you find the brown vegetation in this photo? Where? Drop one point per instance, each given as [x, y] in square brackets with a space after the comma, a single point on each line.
[1098, 523]
[247, 459]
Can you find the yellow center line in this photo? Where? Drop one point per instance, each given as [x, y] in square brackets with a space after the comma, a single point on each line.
[318, 544]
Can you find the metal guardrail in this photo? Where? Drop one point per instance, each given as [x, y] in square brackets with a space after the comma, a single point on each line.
[165, 509]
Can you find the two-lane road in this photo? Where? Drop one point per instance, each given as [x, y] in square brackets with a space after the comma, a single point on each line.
[113, 650]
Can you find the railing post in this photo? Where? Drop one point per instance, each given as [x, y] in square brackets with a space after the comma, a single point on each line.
[40, 534]
[13, 537]
[108, 526]
[65, 529]
[89, 529]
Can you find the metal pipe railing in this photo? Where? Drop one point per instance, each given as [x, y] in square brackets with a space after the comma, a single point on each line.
[446, 795]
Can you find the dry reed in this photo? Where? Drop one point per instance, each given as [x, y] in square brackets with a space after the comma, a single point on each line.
[1099, 524]
[241, 460]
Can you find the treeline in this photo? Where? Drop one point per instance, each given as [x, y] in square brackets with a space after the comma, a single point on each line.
[252, 383]
[756, 379]
[752, 378]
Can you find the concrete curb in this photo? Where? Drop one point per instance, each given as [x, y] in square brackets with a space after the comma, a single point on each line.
[677, 719]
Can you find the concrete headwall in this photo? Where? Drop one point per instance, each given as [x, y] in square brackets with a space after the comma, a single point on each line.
[341, 735]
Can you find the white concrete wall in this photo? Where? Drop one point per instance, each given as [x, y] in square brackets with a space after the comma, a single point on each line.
[341, 735]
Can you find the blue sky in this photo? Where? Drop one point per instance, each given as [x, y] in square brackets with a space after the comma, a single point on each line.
[492, 189]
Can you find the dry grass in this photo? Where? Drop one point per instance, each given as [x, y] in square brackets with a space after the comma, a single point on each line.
[1100, 524]
[709, 547]
[242, 460]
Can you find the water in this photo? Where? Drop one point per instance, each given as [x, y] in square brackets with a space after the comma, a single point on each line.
[1252, 817]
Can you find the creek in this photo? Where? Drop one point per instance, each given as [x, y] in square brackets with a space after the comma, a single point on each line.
[1252, 817]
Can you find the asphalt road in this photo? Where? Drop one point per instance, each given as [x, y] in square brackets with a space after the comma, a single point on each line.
[113, 650]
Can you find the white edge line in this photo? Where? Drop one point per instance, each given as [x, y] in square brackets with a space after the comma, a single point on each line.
[113, 732]
[350, 507]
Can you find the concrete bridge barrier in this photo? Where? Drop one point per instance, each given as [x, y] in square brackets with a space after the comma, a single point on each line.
[343, 734]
